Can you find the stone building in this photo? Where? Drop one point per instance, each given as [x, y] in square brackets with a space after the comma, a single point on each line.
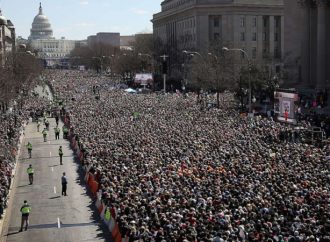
[307, 52]
[104, 38]
[256, 26]
[7, 38]
[53, 51]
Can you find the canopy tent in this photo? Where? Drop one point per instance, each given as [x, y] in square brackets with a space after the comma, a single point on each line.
[130, 90]
[143, 78]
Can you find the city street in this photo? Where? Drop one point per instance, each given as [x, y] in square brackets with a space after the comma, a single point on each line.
[53, 217]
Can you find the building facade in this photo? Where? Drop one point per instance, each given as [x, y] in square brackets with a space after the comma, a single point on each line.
[52, 51]
[126, 42]
[256, 26]
[7, 38]
[307, 52]
[112, 39]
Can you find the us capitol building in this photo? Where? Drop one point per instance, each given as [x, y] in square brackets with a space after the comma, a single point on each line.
[52, 50]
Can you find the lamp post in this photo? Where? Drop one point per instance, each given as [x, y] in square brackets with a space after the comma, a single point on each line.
[249, 69]
[164, 71]
[192, 53]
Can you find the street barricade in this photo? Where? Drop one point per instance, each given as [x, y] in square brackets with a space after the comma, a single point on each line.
[107, 217]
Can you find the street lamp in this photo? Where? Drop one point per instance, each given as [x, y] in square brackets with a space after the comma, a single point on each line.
[192, 53]
[210, 54]
[140, 54]
[249, 69]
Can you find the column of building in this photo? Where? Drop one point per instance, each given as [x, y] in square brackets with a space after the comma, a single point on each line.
[321, 43]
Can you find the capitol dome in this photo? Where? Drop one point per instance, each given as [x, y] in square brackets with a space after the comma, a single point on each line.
[41, 28]
[3, 20]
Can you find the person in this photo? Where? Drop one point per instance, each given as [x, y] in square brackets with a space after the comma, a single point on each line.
[29, 147]
[65, 132]
[30, 172]
[60, 153]
[286, 115]
[38, 125]
[56, 119]
[57, 133]
[64, 184]
[47, 124]
[25, 210]
[44, 133]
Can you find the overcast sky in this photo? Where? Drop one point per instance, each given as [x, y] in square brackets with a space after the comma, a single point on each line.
[77, 19]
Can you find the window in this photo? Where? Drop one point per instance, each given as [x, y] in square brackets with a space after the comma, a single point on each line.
[264, 36]
[277, 22]
[254, 52]
[216, 22]
[242, 36]
[242, 20]
[265, 53]
[277, 69]
[254, 36]
[276, 37]
[216, 36]
[265, 21]
[277, 52]
[254, 22]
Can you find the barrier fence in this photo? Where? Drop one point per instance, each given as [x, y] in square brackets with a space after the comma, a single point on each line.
[106, 212]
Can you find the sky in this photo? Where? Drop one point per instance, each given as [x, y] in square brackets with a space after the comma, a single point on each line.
[77, 19]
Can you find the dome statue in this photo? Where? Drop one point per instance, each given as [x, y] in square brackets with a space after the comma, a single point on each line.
[41, 28]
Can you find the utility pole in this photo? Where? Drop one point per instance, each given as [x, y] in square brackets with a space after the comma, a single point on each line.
[164, 70]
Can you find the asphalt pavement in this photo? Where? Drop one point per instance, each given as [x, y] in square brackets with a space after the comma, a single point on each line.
[53, 217]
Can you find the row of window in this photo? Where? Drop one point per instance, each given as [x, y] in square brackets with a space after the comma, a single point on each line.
[176, 4]
[265, 36]
[189, 23]
[265, 19]
[265, 53]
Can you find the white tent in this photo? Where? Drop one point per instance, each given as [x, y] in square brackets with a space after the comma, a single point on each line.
[130, 90]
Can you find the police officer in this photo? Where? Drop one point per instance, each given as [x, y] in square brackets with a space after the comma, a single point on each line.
[25, 210]
[29, 147]
[38, 125]
[57, 119]
[47, 124]
[64, 182]
[44, 133]
[30, 172]
[65, 132]
[60, 153]
[57, 133]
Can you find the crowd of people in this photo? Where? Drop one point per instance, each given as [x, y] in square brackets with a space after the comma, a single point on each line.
[11, 127]
[171, 171]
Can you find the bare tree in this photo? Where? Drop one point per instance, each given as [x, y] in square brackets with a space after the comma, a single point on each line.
[212, 71]
[18, 76]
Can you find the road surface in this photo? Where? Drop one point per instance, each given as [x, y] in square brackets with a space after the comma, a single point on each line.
[53, 217]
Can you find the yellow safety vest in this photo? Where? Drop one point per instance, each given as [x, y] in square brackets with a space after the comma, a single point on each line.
[30, 170]
[107, 214]
[25, 209]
